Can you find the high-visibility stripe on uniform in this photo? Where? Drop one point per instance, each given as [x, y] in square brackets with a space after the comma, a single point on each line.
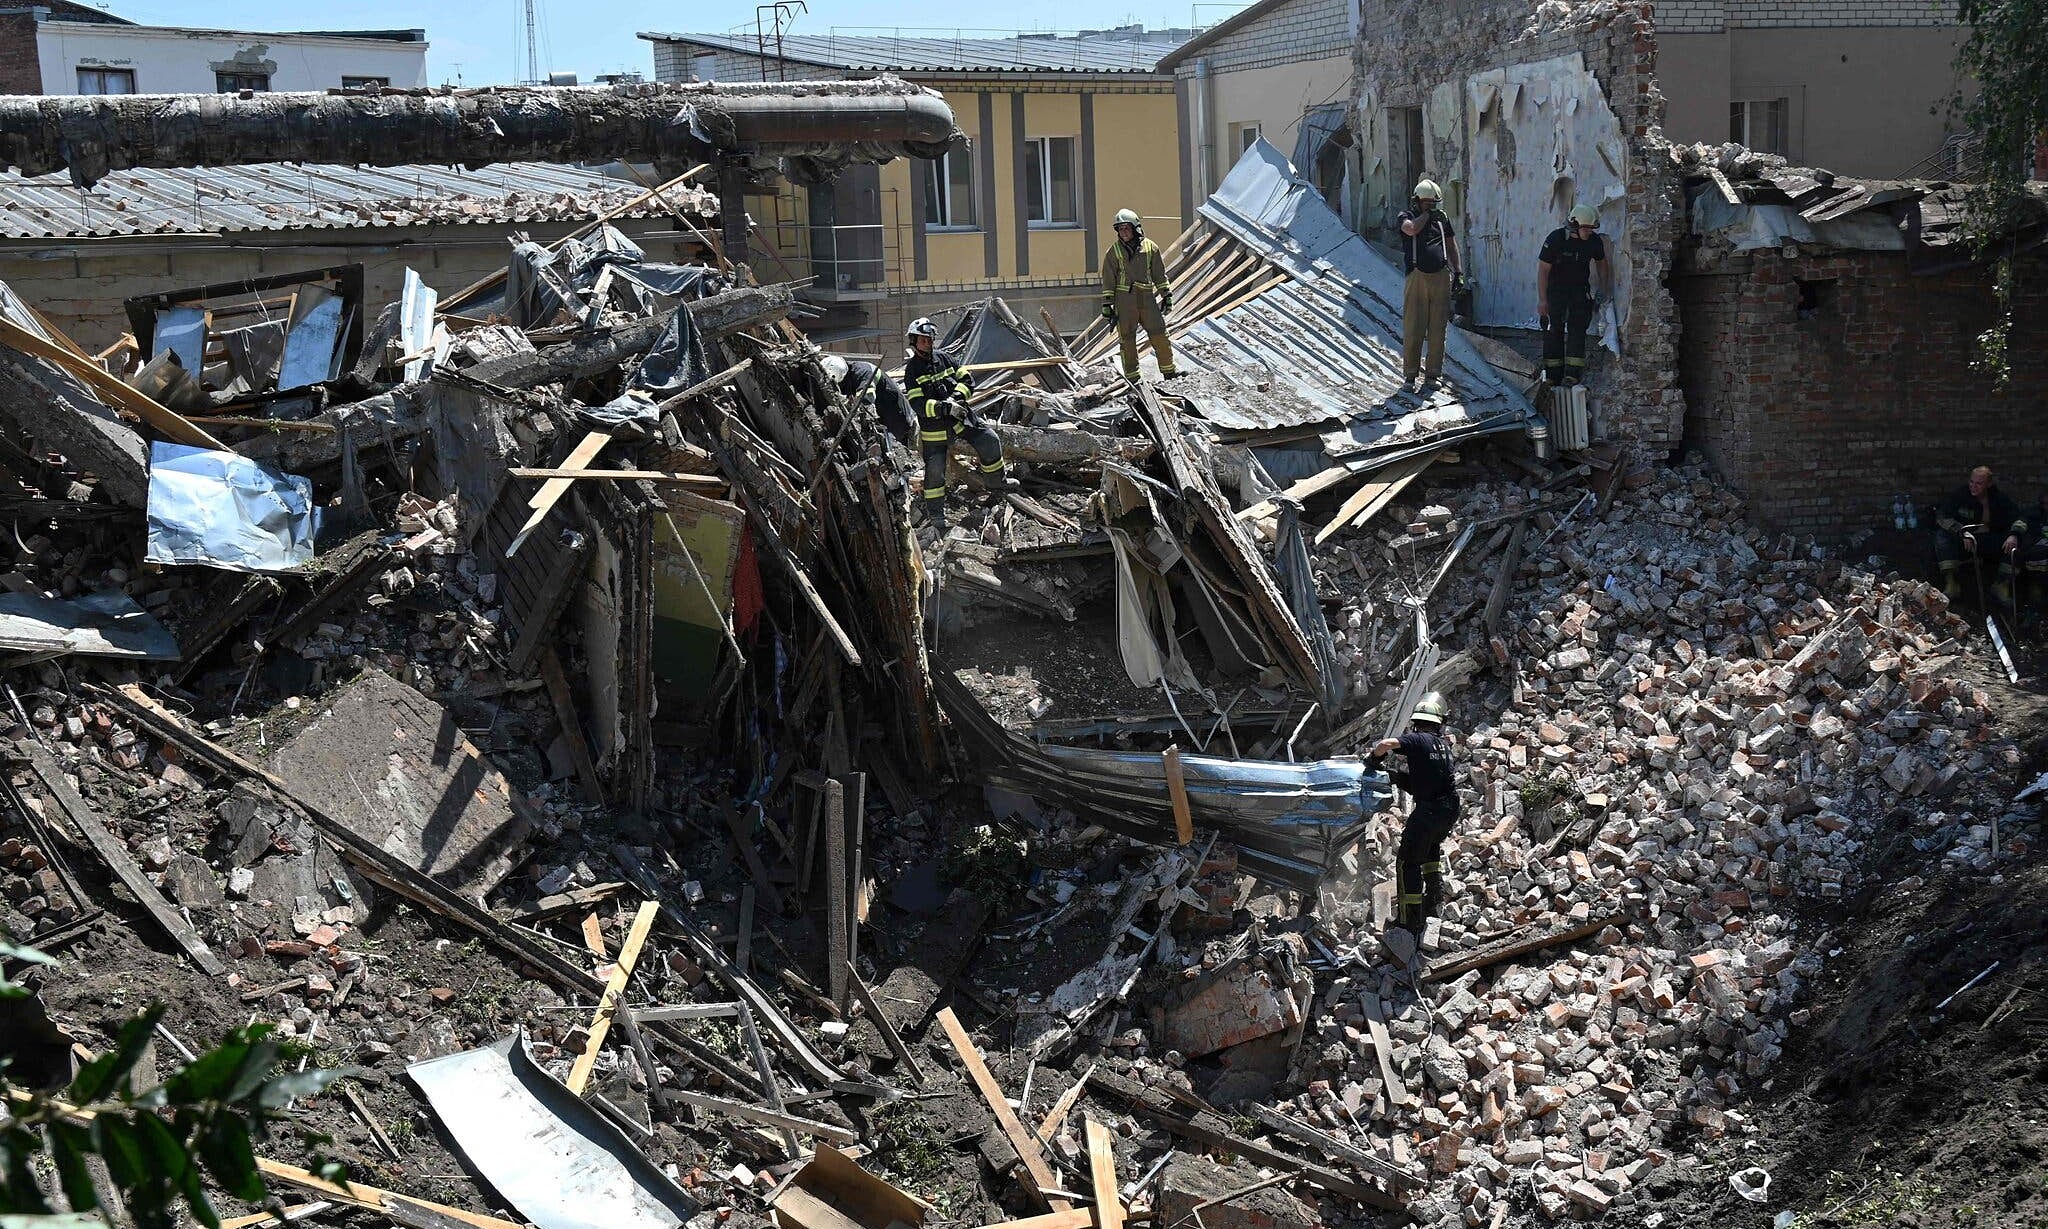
[934, 437]
[994, 467]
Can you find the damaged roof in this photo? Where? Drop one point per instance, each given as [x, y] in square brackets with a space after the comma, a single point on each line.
[281, 196]
[1094, 52]
[1321, 340]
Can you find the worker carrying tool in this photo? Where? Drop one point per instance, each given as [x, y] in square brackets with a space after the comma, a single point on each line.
[1429, 253]
[939, 389]
[1420, 763]
[864, 384]
[1978, 523]
[1569, 291]
[1134, 292]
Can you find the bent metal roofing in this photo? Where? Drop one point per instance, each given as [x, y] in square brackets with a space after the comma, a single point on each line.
[1101, 53]
[282, 197]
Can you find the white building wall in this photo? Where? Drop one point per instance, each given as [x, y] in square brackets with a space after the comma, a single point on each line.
[166, 60]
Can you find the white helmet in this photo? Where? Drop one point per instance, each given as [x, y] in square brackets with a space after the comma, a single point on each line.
[1426, 190]
[834, 367]
[1129, 216]
[922, 327]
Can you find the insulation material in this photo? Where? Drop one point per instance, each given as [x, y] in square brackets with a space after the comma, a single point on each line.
[1548, 140]
[1749, 227]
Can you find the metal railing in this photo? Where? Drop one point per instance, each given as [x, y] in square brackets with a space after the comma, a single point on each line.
[848, 257]
[1960, 158]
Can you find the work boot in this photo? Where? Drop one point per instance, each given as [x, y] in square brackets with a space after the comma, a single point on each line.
[1172, 375]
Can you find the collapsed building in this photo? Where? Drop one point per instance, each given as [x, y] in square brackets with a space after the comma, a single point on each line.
[540, 693]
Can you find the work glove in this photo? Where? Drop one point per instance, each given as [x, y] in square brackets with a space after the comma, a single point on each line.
[1109, 312]
[1457, 283]
[1165, 304]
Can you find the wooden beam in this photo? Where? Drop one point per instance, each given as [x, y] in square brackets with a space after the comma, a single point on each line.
[1516, 946]
[1332, 1147]
[744, 843]
[160, 418]
[838, 940]
[1050, 1125]
[614, 990]
[753, 1113]
[1369, 500]
[1109, 1209]
[1177, 790]
[893, 1038]
[114, 852]
[389, 1203]
[1383, 1045]
[551, 491]
[620, 475]
[1023, 1141]
[572, 725]
[1076, 1218]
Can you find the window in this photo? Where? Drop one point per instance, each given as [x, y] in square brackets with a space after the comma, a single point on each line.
[362, 83]
[1758, 124]
[106, 81]
[1053, 196]
[1242, 136]
[704, 66]
[949, 191]
[235, 83]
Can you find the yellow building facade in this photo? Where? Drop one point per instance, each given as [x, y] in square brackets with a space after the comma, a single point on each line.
[1022, 212]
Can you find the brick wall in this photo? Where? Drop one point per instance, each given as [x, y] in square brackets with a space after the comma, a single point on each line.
[1820, 417]
[1715, 16]
[1297, 31]
[1405, 52]
[21, 72]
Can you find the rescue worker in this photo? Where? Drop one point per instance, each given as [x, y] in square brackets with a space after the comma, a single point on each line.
[1421, 766]
[863, 383]
[1976, 522]
[1568, 293]
[1429, 253]
[1134, 292]
[938, 391]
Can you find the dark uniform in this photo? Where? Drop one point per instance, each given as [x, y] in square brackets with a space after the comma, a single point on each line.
[863, 378]
[938, 396]
[1569, 309]
[1421, 765]
[1992, 520]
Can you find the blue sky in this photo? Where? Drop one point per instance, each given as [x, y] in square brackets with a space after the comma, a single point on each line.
[477, 40]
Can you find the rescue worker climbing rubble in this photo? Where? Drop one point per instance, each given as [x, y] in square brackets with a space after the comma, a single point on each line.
[939, 389]
[1135, 291]
[1977, 523]
[1420, 763]
[1569, 289]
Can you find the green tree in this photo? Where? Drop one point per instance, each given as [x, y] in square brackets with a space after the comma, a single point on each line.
[2006, 54]
[158, 1145]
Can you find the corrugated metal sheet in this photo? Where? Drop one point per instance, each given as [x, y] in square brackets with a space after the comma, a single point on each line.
[888, 53]
[1327, 343]
[288, 197]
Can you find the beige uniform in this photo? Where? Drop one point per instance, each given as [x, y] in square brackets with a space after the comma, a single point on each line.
[1132, 282]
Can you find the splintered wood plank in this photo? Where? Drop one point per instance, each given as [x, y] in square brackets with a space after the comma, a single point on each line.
[114, 852]
[1368, 501]
[1383, 1046]
[838, 942]
[1109, 1209]
[1064, 1106]
[552, 490]
[564, 703]
[881, 1023]
[1023, 1141]
[614, 990]
[1177, 790]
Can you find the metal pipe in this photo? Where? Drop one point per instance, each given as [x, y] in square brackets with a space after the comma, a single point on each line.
[867, 121]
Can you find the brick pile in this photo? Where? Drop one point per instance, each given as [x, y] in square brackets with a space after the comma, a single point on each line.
[1705, 724]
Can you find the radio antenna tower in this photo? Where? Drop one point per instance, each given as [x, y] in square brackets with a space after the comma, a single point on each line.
[534, 75]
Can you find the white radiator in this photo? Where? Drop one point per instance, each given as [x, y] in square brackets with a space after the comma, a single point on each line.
[1571, 419]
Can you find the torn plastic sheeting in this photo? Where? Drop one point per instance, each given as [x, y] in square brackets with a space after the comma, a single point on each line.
[222, 510]
[1297, 578]
[546, 1151]
[673, 363]
[107, 624]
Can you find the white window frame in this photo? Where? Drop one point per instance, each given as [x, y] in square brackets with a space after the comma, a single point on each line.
[944, 199]
[1743, 132]
[104, 72]
[1246, 134]
[1041, 156]
[220, 77]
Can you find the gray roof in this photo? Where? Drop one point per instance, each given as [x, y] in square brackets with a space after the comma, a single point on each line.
[1103, 52]
[277, 197]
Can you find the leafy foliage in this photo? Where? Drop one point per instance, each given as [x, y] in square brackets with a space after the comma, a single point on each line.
[158, 1145]
[2006, 54]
